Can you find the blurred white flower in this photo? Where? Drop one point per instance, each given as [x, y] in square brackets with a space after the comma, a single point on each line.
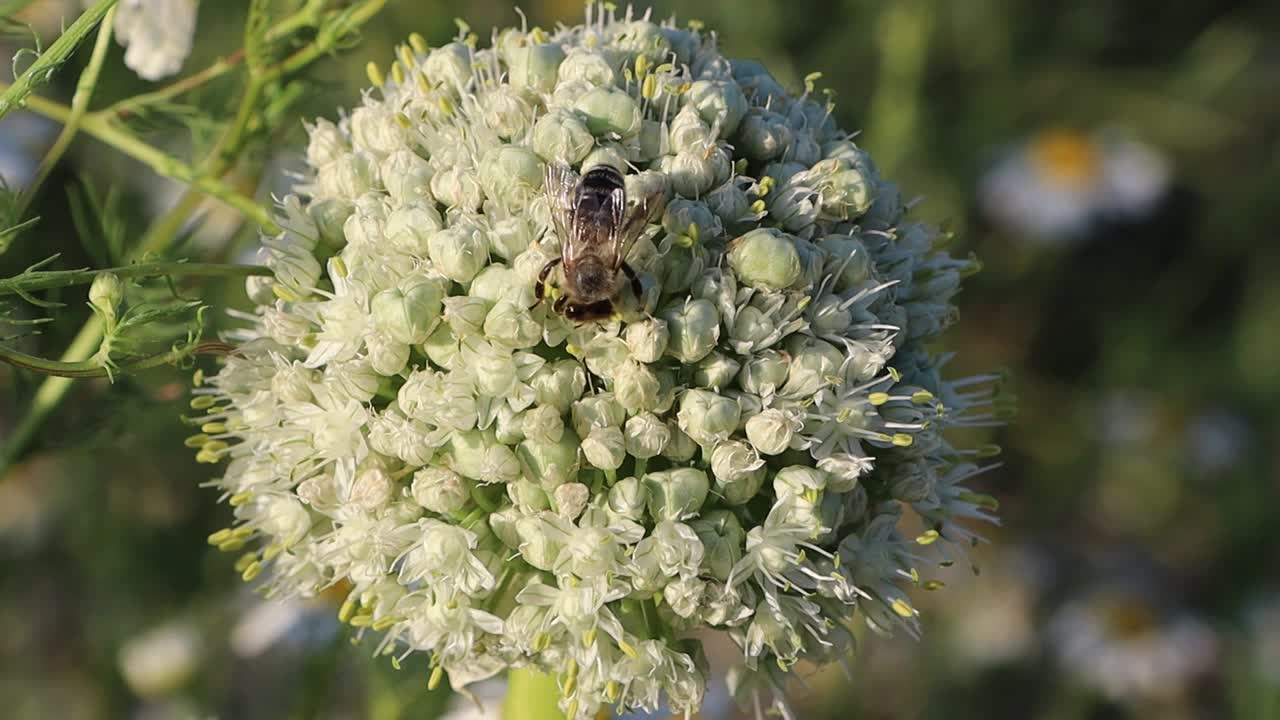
[1056, 185]
[24, 137]
[1121, 644]
[157, 35]
[162, 659]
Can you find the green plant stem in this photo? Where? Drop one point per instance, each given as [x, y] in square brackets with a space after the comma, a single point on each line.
[307, 16]
[162, 163]
[44, 280]
[138, 103]
[531, 695]
[14, 96]
[91, 369]
[79, 105]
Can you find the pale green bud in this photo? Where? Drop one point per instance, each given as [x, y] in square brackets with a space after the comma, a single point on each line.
[720, 103]
[465, 314]
[259, 289]
[886, 210]
[695, 328]
[637, 387]
[458, 188]
[105, 295]
[494, 370]
[479, 457]
[844, 193]
[706, 417]
[647, 339]
[628, 498]
[439, 490]
[407, 314]
[506, 112]
[684, 597]
[848, 259]
[442, 346]
[348, 176]
[597, 411]
[689, 133]
[503, 525]
[681, 447]
[449, 66]
[764, 372]
[758, 84]
[763, 135]
[550, 464]
[766, 259]
[715, 371]
[797, 480]
[738, 470]
[609, 110]
[587, 65]
[510, 237]
[804, 149]
[676, 494]
[692, 219]
[604, 448]
[844, 470]
[534, 67]
[375, 129]
[353, 379]
[459, 252]
[645, 435]
[326, 144]
[330, 215]
[540, 543]
[494, 283]
[292, 262]
[605, 354]
[511, 175]
[722, 539]
[560, 136]
[770, 431]
[571, 499]
[508, 425]
[829, 316]
[559, 384]
[648, 183]
[410, 228]
[511, 324]
[692, 173]
[567, 92]
[730, 203]
[814, 364]
[528, 495]
[653, 141]
[543, 424]
[386, 356]
[610, 154]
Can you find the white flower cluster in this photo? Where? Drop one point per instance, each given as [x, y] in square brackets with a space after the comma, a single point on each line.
[501, 487]
[157, 34]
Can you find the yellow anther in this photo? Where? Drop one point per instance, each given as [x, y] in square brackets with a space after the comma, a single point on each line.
[988, 451]
[220, 536]
[361, 620]
[424, 84]
[436, 676]
[933, 585]
[922, 397]
[572, 710]
[893, 373]
[383, 624]
[203, 402]
[251, 572]
[570, 684]
[811, 496]
[642, 66]
[418, 43]
[347, 610]
[339, 266]
[271, 551]
[627, 648]
[244, 532]
[240, 498]
[283, 293]
[758, 207]
[374, 74]
[406, 56]
[649, 87]
[213, 428]
[878, 398]
[397, 74]
[810, 80]
[695, 25]
[589, 638]
[902, 440]
[196, 441]
[683, 88]
[765, 185]
[208, 458]
[901, 607]
[446, 106]
[928, 537]
[197, 378]
[538, 35]
[232, 545]
[245, 561]
[612, 691]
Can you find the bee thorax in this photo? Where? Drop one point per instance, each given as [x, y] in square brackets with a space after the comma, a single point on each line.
[590, 280]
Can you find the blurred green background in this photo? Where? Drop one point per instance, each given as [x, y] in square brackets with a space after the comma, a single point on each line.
[1115, 166]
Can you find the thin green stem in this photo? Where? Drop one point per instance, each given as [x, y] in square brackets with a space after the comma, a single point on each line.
[93, 369]
[46, 279]
[306, 17]
[79, 105]
[43, 68]
[162, 163]
[138, 103]
[329, 37]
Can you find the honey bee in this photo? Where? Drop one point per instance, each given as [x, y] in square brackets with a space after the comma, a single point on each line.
[596, 229]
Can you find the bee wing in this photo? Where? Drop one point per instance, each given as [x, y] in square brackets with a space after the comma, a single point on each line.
[631, 226]
[560, 182]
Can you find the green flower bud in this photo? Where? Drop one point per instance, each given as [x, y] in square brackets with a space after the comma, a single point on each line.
[442, 346]
[715, 371]
[797, 481]
[844, 193]
[326, 144]
[439, 490]
[722, 539]
[695, 328]
[606, 154]
[508, 425]
[691, 219]
[764, 372]
[512, 325]
[560, 136]
[293, 263]
[814, 364]
[688, 132]
[847, 259]
[330, 215]
[348, 176]
[550, 464]
[684, 597]
[543, 424]
[681, 447]
[886, 210]
[458, 188]
[844, 470]
[260, 289]
[505, 111]
[559, 384]
[597, 411]
[571, 499]
[609, 110]
[763, 135]
[645, 435]
[589, 66]
[829, 316]
[604, 448]
[766, 259]
[511, 175]
[692, 173]
[804, 149]
[465, 314]
[449, 66]
[105, 295]
[653, 141]
[479, 457]
[637, 387]
[738, 470]
[503, 525]
[647, 339]
[376, 130]
[730, 203]
[410, 227]
[720, 103]
[353, 379]
[648, 183]
[386, 356]
[509, 238]
[408, 314]
[676, 494]
[407, 177]
[706, 417]
[535, 67]
[771, 431]
[459, 252]
[494, 369]
[541, 541]
[605, 354]
[528, 495]
[628, 498]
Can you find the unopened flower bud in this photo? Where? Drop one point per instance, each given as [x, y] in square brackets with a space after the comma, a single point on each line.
[408, 313]
[689, 133]
[105, 295]
[449, 66]
[609, 111]
[637, 387]
[722, 539]
[528, 495]
[604, 447]
[559, 384]
[764, 372]
[720, 103]
[770, 431]
[814, 364]
[680, 447]
[465, 314]
[797, 480]
[738, 470]
[765, 258]
[551, 464]
[535, 67]
[676, 494]
[511, 175]
[715, 371]
[692, 219]
[571, 500]
[597, 411]
[694, 327]
[459, 252]
[326, 144]
[375, 129]
[707, 417]
[645, 435]
[764, 135]
[543, 424]
[647, 339]
[560, 136]
[692, 173]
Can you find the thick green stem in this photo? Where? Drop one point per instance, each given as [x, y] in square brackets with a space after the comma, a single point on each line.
[16, 95]
[45, 280]
[531, 695]
[79, 105]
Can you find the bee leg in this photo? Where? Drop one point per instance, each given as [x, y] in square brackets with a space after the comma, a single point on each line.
[633, 278]
[539, 288]
[558, 305]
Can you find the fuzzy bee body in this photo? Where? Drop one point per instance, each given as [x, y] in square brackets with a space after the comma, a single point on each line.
[596, 229]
